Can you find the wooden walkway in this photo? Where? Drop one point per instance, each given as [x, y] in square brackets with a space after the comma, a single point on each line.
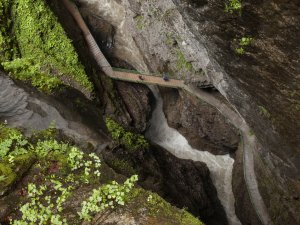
[146, 79]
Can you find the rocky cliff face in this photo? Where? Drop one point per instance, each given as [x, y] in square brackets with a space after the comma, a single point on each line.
[203, 126]
[182, 182]
[129, 104]
[197, 41]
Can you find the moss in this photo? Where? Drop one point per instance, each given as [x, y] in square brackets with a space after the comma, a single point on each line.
[157, 209]
[6, 132]
[23, 162]
[47, 57]
[122, 166]
[8, 177]
[131, 141]
[6, 42]
[47, 134]
[264, 111]
[140, 23]
[233, 6]
[182, 63]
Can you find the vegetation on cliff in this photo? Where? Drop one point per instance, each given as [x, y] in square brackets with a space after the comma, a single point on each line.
[50, 180]
[64, 168]
[35, 47]
[131, 141]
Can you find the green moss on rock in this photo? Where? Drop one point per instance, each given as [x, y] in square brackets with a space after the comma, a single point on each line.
[131, 141]
[7, 178]
[47, 57]
[156, 209]
[122, 166]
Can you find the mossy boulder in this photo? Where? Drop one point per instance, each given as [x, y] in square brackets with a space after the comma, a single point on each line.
[7, 178]
[11, 173]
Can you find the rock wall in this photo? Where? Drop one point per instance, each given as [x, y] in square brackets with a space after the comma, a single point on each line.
[203, 126]
[117, 100]
[184, 183]
[196, 41]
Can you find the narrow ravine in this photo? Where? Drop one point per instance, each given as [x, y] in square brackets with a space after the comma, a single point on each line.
[220, 166]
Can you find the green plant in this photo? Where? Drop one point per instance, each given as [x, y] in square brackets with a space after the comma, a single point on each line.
[41, 208]
[130, 140]
[47, 58]
[107, 196]
[122, 166]
[182, 63]
[2, 178]
[46, 202]
[242, 43]
[233, 6]
[11, 139]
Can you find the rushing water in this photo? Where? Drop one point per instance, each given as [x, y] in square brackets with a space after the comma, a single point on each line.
[220, 166]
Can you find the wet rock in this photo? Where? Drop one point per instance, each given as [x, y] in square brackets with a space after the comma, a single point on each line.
[137, 99]
[184, 183]
[262, 84]
[243, 205]
[31, 110]
[203, 126]
[114, 98]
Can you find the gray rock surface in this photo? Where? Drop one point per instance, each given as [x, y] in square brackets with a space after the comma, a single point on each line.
[22, 109]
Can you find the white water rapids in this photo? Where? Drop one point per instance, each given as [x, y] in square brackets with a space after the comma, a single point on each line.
[220, 166]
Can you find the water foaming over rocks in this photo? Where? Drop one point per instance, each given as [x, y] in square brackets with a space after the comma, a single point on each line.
[219, 166]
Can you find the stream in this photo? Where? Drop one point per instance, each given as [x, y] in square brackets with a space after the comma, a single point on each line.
[220, 166]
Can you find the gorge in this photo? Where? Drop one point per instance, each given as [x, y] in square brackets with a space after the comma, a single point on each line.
[219, 138]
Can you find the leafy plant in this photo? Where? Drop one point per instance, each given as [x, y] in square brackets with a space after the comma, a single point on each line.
[41, 208]
[242, 43]
[233, 6]
[46, 202]
[107, 196]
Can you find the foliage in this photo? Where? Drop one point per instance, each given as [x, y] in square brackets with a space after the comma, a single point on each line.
[157, 208]
[107, 196]
[13, 146]
[46, 202]
[182, 63]
[122, 166]
[242, 43]
[41, 209]
[7, 49]
[47, 56]
[130, 140]
[28, 69]
[233, 6]
[11, 139]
